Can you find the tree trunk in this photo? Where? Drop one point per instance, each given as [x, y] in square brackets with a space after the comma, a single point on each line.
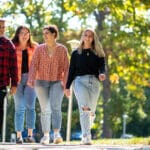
[107, 131]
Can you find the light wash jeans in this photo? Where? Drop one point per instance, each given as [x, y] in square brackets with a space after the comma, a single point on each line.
[24, 98]
[50, 95]
[86, 89]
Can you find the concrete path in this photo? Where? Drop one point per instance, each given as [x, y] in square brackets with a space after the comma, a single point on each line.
[37, 146]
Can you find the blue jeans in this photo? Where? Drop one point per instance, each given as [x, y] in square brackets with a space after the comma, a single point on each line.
[24, 98]
[50, 95]
[86, 89]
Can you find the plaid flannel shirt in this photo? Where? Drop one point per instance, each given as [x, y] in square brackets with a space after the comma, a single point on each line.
[8, 63]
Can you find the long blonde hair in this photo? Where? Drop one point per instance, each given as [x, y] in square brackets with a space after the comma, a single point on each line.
[96, 45]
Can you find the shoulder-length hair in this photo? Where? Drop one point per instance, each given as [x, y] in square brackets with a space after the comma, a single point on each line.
[15, 39]
[96, 45]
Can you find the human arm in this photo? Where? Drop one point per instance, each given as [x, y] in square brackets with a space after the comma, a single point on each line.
[13, 69]
[65, 67]
[67, 92]
[33, 68]
[72, 70]
[102, 75]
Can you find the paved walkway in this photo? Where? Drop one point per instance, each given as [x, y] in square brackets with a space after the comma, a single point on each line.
[37, 146]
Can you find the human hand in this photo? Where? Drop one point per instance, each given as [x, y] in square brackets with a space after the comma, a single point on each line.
[30, 85]
[102, 77]
[13, 90]
[62, 84]
[67, 92]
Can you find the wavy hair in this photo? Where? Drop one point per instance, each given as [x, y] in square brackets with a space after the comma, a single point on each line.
[96, 45]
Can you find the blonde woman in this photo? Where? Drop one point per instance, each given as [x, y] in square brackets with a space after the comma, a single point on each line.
[87, 68]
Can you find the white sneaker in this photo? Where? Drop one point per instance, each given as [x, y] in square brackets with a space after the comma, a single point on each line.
[57, 138]
[86, 140]
[45, 140]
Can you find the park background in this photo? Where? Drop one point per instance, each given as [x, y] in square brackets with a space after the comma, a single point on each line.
[123, 27]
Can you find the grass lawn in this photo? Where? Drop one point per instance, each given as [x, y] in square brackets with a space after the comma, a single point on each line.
[143, 141]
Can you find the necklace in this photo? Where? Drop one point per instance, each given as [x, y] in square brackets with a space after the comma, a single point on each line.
[87, 50]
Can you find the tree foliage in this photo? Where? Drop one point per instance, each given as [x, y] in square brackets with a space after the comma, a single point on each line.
[123, 27]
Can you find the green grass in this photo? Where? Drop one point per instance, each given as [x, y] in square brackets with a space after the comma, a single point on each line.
[132, 141]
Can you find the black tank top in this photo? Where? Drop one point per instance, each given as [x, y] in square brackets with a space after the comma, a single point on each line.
[24, 68]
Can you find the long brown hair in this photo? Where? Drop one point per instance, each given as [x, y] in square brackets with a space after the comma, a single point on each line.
[15, 39]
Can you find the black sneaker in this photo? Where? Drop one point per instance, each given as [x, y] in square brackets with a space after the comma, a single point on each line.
[30, 139]
[19, 140]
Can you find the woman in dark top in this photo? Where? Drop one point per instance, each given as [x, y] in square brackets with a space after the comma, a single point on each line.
[87, 68]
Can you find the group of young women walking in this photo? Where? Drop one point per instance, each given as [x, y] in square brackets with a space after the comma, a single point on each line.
[44, 71]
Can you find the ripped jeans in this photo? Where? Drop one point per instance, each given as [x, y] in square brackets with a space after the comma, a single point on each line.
[86, 89]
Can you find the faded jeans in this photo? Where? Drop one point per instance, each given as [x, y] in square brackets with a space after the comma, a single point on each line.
[86, 89]
[50, 95]
[24, 98]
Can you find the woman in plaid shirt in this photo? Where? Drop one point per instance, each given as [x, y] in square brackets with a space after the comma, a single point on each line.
[48, 74]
